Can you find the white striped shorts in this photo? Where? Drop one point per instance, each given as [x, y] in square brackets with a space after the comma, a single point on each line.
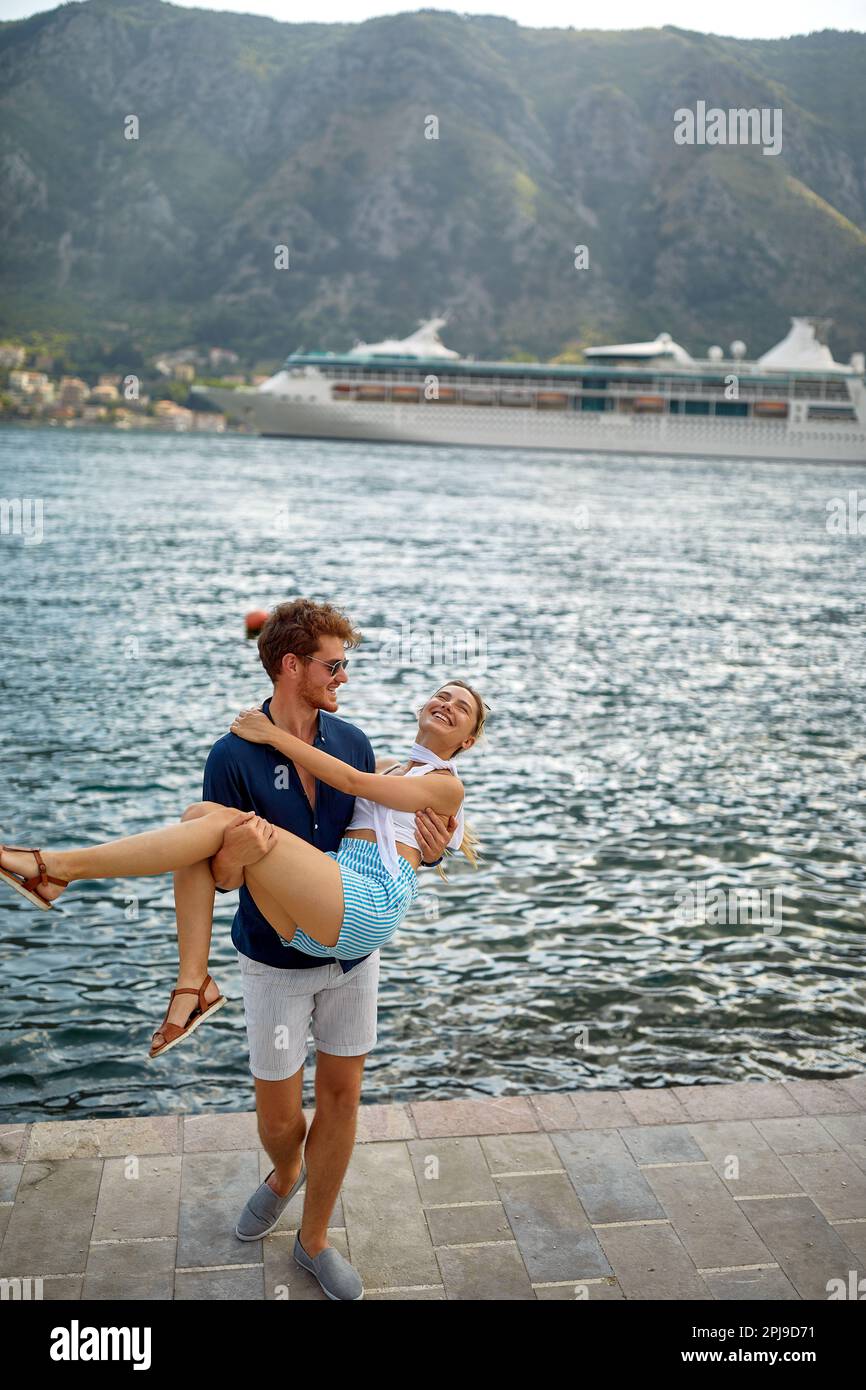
[282, 1007]
[374, 903]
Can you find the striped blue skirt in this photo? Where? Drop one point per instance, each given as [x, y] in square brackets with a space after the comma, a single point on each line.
[375, 903]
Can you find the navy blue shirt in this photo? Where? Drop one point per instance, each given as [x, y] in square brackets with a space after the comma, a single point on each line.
[257, 777]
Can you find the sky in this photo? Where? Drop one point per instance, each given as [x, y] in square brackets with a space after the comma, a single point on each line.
[748, 19]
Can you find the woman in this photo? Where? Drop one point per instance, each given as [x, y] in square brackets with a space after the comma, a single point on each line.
[336, 904]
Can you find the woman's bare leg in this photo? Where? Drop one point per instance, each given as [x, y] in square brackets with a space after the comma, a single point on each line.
[298, 878]
[134, 856]
[194, 894]
[296, 885]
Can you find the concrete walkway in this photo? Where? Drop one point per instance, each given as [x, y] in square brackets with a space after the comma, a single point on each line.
[729, 1191]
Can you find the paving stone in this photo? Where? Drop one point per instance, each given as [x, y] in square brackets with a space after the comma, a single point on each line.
[487, 1273]
[104, 1138]
[650, 1263]
[833, 1181]
[847, 1130]
[117, 1259]
[761, 1172]
[468, 1225]
[803, 1135]
[553, 1234]
[554, 1111]
[737, 1100]
[450, 1170]
[854, 1235]
[503, 1115]
[713, 1228]
[858, 1153]
[384, 1122]
[5, 1215]
[49, 1229]
[385, 1222]
[13, 1142]
[663, 1144]
[601, 1110]
[220, 1133]
[232, 1176]
[206, 1235]
[146, 1205]
[855, 1087]
[517, 1153]
[583, 1291]
[654, 1105]
[214, 1190]
[808, 1250]
[10, 1176]
[820, 1097]
[762, 1285]
[285, 1280]
[221, 1285]
[605, 1176]
[63, 1290]
[130, 1271]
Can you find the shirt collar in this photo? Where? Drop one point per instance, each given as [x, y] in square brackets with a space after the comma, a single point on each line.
[321, 736]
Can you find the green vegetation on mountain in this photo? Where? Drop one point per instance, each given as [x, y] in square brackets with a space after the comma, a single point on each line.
[255, 134]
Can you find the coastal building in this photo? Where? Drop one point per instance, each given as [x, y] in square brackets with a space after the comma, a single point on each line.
[12, 355]
[173, 416]
[73, 392]
[27, 383]
[105, 393]
[208, 422]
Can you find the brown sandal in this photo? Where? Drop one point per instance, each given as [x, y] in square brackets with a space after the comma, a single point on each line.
[172, 1033]
[27, 886]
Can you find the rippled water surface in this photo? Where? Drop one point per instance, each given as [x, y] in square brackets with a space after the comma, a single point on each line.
[674, 654]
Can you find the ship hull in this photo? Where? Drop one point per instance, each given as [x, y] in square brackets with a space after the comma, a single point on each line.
[560, 430]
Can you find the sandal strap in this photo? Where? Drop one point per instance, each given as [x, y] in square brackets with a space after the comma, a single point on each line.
[169, 1032]
[43, 877]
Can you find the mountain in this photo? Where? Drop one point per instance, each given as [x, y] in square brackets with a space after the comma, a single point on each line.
[254, 134]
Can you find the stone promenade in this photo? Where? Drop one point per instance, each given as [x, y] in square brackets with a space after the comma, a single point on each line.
[729, 1191]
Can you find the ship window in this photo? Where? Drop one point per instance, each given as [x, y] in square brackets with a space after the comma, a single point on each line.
[593, 403]
[697, 407]
[731, 408]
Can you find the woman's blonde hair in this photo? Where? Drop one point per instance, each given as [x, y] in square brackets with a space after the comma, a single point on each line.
[470, 844]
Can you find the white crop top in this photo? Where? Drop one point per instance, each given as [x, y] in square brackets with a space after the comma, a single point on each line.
[404, 821]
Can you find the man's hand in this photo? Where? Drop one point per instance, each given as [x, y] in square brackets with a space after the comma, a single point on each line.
[247, 839]
[433, 832]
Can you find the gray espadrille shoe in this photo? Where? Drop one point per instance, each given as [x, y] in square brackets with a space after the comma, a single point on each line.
[264, 1209]
[338, 1278]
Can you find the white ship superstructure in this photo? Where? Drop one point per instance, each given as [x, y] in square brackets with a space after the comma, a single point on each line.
[794, 402]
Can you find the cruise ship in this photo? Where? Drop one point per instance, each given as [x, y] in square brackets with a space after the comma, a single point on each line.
[794, 402]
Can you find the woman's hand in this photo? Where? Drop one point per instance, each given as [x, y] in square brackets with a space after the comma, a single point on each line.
[254, 726]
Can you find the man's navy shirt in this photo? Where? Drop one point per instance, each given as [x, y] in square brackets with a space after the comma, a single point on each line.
[257, 777]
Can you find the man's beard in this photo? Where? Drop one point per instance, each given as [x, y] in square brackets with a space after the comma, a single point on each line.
[319, 696]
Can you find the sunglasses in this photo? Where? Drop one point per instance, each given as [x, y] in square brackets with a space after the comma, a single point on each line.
[333, 666]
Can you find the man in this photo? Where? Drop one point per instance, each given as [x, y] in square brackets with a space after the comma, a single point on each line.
[302, 648]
